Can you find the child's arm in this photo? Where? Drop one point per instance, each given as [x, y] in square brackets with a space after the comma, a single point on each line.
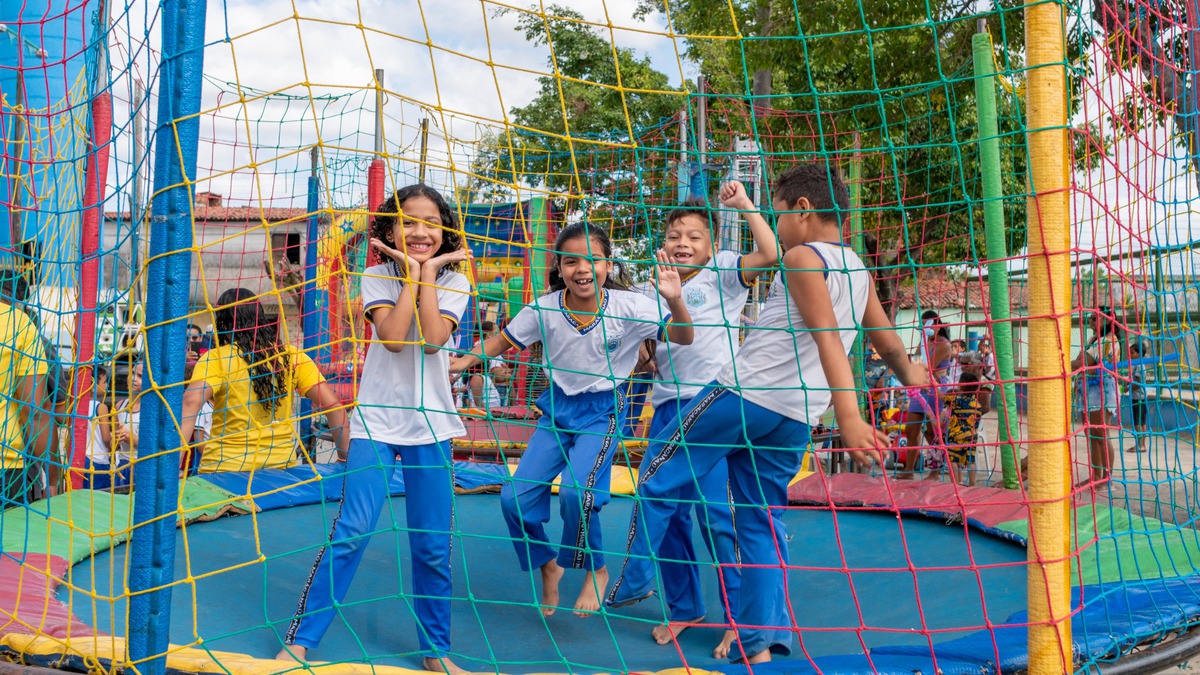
[105, 426]
[327, 401]
[806, 284]
[194, 397]
[435, 326]
[490, 348]
[888, 345]
[766, 248]
[393, 322]
[670, 287]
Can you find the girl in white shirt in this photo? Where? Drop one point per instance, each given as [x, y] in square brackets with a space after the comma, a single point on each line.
[414, 300]
[591, 330]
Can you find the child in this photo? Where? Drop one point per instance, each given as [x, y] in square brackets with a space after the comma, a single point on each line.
[481, 389]
[962, 428]
[715, 287]
[414, 300]
[1137, 397]
[99, 476]
[759, 412]
[1101, 398]
[591, 329]
[126, 418]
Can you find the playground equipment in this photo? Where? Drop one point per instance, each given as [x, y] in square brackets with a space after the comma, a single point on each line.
[199, 575]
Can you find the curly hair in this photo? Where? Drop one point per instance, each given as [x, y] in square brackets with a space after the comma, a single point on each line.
[386, 215]
[240, 321]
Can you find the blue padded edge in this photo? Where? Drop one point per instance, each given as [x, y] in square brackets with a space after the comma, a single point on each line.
[1115, 617]
[857, 664]
[316, 483]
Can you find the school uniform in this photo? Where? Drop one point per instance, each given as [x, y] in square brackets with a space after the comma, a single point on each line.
[583, 411]
[98, 454]
[715, 296]
[757, 416]
[395, 420]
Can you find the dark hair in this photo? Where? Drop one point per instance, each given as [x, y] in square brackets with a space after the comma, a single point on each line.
[617, 279]
[192, 325]
[959, 343]
[931, 314]
[386, 214]
[241, 321]
[696, 206]
[487, 326]
[970, 379]
[818, 182]
[1110, 325]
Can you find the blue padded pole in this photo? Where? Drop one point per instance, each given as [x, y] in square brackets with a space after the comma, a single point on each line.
[156, 478]
[313, 334]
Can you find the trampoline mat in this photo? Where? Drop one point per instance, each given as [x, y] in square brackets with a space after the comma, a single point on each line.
[246, 607]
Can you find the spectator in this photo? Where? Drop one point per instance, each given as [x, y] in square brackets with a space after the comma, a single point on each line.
[26, 420]
[99, 439]
[250, 379]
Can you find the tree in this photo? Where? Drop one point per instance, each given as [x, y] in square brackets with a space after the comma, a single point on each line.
[899, 73]
[581, 135]
[1163, 42]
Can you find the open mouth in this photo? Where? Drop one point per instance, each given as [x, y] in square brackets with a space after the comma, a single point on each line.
[583, 284]
[418, 248]
[682, 257]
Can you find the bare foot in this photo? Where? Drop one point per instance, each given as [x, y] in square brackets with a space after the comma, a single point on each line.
[293, 653]
[551, 575]
[594, 584]
[721, 651]
[665, 633]
[442, 665]
[762, 657]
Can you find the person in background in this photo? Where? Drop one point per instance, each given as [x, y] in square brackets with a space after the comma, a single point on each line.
[1137, 397]
[99, 442]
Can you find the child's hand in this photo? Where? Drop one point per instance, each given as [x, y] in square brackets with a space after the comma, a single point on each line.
[915, 376]
[434, 265]
[733, 194]
[459, 364]
[864, 442]
[411, 267]
[666, 278]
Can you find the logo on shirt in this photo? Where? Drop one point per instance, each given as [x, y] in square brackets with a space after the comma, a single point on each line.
[694, 297]
[612, 344]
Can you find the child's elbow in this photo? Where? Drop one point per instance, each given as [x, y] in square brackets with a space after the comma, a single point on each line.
[431, 349]
[393, 347]
[683, 336]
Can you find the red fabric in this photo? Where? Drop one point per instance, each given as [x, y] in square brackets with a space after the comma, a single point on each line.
[987, 506]
[27, 601]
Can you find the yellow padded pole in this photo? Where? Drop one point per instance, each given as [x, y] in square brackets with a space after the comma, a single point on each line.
[1049, 237]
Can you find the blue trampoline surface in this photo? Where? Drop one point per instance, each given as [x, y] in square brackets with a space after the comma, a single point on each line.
[495, 628]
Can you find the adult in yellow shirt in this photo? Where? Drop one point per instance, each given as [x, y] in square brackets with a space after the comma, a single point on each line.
[25, 420]
[250, 379]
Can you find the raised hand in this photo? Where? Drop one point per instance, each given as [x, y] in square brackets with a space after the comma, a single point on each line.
[733, 194]
[666, 278]
[407, 265]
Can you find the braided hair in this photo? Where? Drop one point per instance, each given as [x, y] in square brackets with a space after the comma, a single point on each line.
[240, 321]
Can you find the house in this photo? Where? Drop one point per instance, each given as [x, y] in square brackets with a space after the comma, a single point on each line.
[247, 246]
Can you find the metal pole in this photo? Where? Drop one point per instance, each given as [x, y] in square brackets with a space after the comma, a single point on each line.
[378, 113]
[858, 245]
[136, 203]
[1050, 303]
[310, 321]
[997, 251]
[424, 149]
[685, 183]
[701, 120]
[156, 499]
[95, 174]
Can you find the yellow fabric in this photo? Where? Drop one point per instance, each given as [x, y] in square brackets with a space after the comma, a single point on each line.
[21, 355]
[244, 435]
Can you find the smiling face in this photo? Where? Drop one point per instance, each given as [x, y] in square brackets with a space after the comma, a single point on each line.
[583, 267]
[418, 231]
[688, 242]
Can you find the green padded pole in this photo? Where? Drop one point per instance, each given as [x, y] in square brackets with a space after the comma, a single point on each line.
[997, 252]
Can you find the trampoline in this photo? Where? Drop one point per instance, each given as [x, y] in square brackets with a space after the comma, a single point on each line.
[935, 582]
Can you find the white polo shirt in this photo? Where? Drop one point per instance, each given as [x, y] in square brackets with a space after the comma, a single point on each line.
[404, 398]
[589, 356]
[715, 296]
[778, 366]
